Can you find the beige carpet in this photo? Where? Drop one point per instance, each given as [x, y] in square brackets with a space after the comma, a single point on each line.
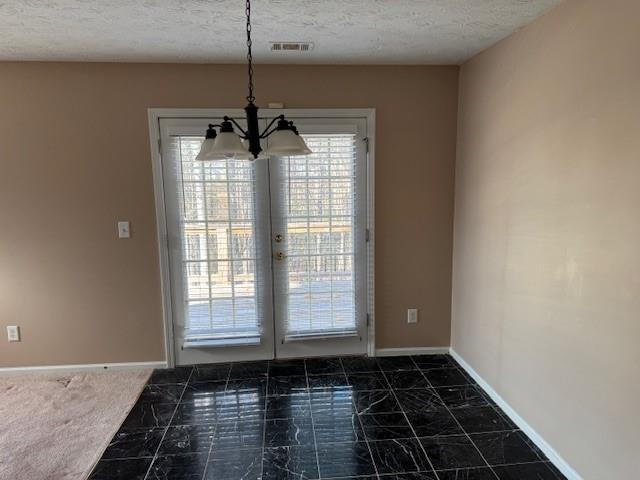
[55, 426]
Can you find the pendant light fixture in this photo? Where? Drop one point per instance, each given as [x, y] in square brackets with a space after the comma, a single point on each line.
[284, 137]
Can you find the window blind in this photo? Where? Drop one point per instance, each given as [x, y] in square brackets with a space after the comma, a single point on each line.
[317, 201]
[219, 251]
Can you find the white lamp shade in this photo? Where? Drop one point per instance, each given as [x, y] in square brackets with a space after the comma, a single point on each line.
[206, 151]
[228, 145]
[287, 143]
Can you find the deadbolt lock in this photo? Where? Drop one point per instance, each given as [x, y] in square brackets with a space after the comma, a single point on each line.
[278, 238]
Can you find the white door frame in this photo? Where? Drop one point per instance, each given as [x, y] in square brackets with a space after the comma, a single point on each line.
[154, 116]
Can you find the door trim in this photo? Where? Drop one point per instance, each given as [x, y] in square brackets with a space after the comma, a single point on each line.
[154, 117]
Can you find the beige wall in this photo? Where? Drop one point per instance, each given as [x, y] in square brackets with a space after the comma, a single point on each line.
[74, 158]
[546, 292]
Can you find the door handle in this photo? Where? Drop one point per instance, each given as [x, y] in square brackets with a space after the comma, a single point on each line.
[279, 256]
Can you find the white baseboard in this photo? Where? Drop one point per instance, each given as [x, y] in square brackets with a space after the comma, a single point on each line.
[389, 352]
[85, 367]
[540, 442]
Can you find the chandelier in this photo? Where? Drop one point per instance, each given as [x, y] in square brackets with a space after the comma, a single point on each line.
[284, 139]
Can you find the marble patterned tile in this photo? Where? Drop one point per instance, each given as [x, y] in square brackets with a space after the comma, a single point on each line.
[148, 415]
[182, 467]
[426, 362]
[452, 451]
[239, 434]
[323, 382]
[134, 444]
[407, 379]
[170, 375]
[356, 422]
[166, 393]
[257, 386]
[290, 463]
[288, 406]
[376, 401]
[129, 469]
[462, 396]
[392, 364]
[249, 370]
[235, 465]
[436, 421]
[203, 391]
[192, 413]
[210, 372]
[385, 426]
[286, 368]
[287, 385]
[446, 377]
[345, 460]
[337, 428]
[396, 456]
[333, 402]
[527, 471]
[482, 473]
[289, 431]
[238, 404]
[505, 447]
[368, 381]
[482, 419]
[366, 477]
[410, 476]
[323, 366]
[419, 400]
[360, 364]
[187, 439]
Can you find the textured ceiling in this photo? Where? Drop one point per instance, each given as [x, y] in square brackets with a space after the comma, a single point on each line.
[212, 31]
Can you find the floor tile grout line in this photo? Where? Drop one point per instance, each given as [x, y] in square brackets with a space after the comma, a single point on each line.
[313, 426]
[406, 417]
[206, 464]
[366, 438]
[459, 424]
[264, 420]
[166, 429]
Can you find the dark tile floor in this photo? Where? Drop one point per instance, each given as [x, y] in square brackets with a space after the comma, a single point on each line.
[391, 418]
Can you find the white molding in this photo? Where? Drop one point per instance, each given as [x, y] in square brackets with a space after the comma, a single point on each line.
[389, 352]
[154, 116]
[162, 234]
[85, 367]
[540, 442]
[371, 245]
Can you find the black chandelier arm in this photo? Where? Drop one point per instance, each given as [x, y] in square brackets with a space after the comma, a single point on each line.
[265, 133]
[244, 135]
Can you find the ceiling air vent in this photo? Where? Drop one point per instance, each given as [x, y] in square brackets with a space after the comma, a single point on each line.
[291, 46]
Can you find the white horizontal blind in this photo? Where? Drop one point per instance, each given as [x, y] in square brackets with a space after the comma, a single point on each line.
[317, 201]
[219, 251]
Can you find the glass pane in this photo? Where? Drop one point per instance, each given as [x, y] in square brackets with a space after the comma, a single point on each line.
[318, 192]
[219, 249]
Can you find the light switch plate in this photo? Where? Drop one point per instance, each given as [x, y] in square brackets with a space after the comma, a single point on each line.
[412, 315]
[13, 333]
[124, 230]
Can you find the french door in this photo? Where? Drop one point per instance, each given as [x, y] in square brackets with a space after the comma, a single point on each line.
[267, 259]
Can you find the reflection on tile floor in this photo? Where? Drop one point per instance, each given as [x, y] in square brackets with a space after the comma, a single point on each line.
[391, 418]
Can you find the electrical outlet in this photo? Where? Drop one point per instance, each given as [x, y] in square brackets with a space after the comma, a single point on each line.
[13, 333]
[412, 315]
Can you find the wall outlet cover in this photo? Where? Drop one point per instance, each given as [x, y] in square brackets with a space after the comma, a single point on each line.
[412, 315]
[13, 333]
